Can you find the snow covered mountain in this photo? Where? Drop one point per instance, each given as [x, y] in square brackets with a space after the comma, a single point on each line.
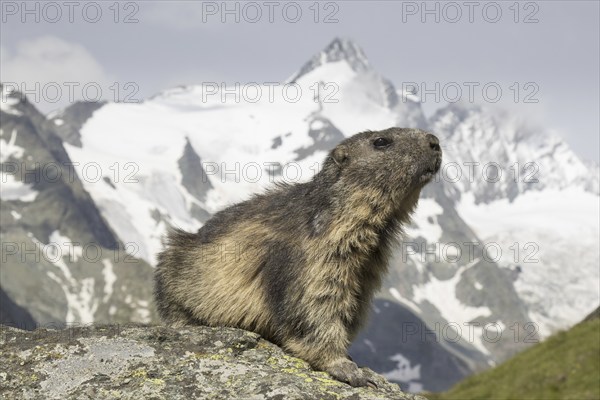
[187, 152]
[61, 262]
[536, 193]
[513, 157]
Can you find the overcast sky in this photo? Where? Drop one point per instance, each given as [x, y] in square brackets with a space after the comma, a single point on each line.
[550, 49]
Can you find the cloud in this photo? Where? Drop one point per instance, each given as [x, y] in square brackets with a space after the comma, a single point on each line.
[55, 70]
[186, 16]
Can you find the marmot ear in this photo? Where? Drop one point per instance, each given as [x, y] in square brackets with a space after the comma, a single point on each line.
[340, 155]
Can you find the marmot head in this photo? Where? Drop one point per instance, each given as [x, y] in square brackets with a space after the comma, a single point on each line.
[396, 162]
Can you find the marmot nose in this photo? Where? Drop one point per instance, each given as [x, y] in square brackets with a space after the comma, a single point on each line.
[434, 143]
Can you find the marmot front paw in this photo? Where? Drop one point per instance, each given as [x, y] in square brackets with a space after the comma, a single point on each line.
[347, 371]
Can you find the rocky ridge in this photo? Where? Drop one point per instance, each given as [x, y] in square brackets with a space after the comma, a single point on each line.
[141, 361]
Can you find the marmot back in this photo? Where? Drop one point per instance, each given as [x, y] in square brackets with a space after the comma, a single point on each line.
[300, 263]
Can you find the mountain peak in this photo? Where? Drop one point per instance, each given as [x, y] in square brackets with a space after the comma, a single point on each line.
[340, 49]
[346, 49]
[10, 99]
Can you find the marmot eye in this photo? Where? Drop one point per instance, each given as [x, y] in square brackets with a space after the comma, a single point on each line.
[380, 143]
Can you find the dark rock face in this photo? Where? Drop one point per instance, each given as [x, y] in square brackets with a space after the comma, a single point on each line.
[137, 361]
[397, 343]
[496, 296]
[325, 136]
[61, 262]
[12, 314]
[62, 202]
[71, 119]
[194, 178]
[339, 49]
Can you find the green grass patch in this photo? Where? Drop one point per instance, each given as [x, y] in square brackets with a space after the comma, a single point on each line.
[565, 366]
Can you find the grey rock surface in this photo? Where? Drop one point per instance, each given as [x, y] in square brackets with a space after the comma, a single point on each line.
[68, 122]
[193, 176]
[156, 362]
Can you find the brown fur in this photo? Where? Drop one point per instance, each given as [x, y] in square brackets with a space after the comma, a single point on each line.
[301, 263]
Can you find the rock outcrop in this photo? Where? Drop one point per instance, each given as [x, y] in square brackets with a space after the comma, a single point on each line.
[156, 362]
